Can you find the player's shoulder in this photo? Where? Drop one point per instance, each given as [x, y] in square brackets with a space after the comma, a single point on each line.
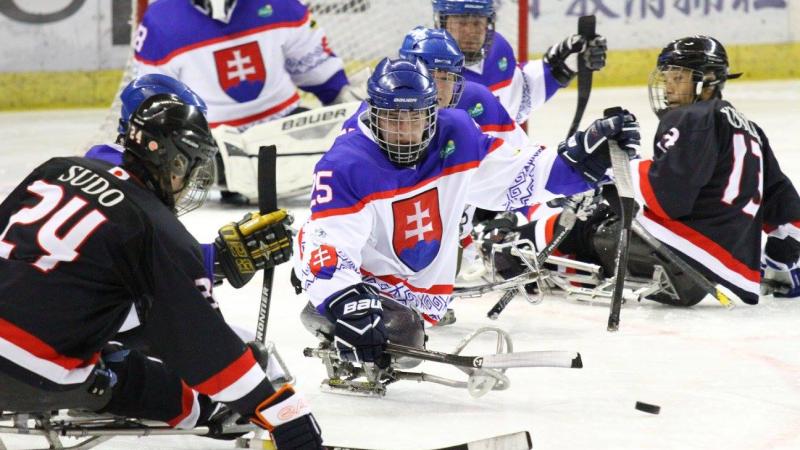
[171, 27]
[481, 105]
[455, 121]
[699, 116]
[501, 53]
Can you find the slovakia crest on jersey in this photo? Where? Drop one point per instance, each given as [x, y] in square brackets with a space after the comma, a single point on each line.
[417, 229]
[240, 71]
[323, 262]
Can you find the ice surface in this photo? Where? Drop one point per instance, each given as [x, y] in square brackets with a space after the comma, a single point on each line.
[724, 379]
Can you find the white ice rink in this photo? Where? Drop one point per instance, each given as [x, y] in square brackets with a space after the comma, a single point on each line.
[724, 379]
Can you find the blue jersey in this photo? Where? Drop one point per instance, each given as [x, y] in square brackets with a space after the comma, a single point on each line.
[397, 228]
[246, 70]
[483, 107]
[520, 89]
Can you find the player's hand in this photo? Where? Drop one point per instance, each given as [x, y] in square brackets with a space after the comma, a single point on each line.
[781, 266]
[254, 243]
[563, 60]
[587, 151]
[287, 416]
[360, 333]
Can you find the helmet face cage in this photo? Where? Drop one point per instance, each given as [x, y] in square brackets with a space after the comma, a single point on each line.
[448, 82]
[404, 134]
[196, 171]
[220, 10]
[673, 86]
[470, 56]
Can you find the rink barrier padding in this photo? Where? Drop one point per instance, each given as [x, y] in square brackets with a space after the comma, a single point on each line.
[96, 89]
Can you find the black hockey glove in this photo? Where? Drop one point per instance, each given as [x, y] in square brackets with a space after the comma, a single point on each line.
[286, 415]
[254, 243]
[587, 151]
[360, 333]
[564, 66]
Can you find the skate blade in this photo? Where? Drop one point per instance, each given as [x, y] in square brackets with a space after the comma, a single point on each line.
[353, 388]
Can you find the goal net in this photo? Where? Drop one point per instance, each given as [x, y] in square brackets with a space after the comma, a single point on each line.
[364, 31]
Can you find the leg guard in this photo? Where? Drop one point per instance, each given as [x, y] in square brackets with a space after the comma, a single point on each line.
[21, 397]
[641, 261]
[146, 389]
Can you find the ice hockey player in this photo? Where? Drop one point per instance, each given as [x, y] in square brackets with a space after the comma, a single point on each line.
[245, 58]
[445, 61]
[490, 59]
[378, 254]
[223, 259]
[711, 188]
[81, 240]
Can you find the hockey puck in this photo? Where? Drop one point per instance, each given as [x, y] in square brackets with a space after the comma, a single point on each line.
[648, 408]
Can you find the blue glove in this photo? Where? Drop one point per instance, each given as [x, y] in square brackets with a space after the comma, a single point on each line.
[780, 266]
[587, 151]
[360, 333]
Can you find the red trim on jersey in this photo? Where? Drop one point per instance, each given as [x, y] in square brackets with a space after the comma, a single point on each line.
[647, 189]
[271, 111]
[429, 319]
[706, 244]
[467, 241]
[497, 128]
[500, 85]
[532, 209]
[187, 401]
[227, 376]
[41, 349]
[392, 192]
[767, 228]
[228, 37]
[496, 143]
[550, 230]
[436, 289]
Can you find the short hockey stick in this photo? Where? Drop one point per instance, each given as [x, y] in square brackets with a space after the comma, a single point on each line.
[267, 203]
[714, 289]
[520, 440]
[622, 179]
[569, 360]
[586, 28]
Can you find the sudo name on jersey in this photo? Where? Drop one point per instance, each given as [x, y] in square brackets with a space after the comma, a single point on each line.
[90, 183]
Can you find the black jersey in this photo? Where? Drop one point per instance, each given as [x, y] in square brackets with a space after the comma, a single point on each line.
[80, 241]
[712, 187]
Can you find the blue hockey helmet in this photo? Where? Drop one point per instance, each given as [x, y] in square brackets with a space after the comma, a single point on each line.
[402, 102]
[440, 53]
[220, 10]
[474, 51]
[151, 84]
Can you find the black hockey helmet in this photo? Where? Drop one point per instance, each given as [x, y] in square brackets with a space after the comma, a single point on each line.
[705, 58]
[171, 141]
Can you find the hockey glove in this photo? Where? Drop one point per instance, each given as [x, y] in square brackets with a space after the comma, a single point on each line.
[781, 266]
[587, 151]
[563, 61]
[254, 243]
[360, 333]
[286, 415]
